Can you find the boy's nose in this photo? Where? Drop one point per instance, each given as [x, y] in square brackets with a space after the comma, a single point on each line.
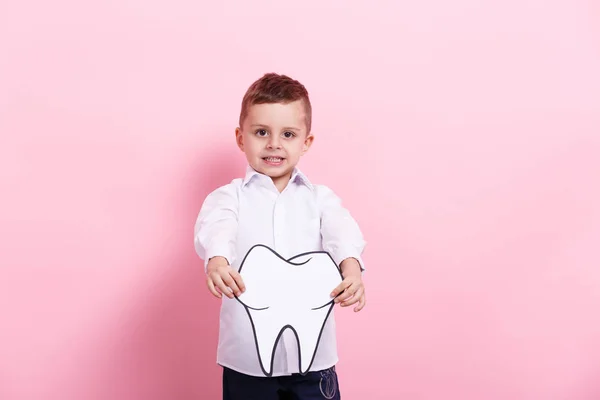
[274, 143]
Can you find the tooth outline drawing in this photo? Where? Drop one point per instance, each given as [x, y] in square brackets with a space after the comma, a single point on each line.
[329, 304]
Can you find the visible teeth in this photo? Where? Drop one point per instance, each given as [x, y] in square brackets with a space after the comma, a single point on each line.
[273, 159]
[284, 294]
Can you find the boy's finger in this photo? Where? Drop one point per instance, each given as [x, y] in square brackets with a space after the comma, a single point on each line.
[347, 294]
[238, 280]
[223, 288]
[351, 301]
[344, 296]
[340, 288]
[356, 295]
[211, 288]
[229, 281]
[361, 303]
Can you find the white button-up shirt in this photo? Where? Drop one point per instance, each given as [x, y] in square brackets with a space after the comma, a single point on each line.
[302, 218]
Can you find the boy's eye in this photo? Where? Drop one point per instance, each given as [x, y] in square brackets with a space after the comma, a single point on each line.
[261, 132]
[289, 135]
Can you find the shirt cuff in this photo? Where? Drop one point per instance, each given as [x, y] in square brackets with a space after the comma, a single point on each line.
[222, 251]
[342, 254]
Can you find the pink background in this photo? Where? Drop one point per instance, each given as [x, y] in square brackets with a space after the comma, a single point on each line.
[464, 136]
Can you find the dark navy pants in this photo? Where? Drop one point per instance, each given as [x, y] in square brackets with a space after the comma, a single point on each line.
[317, 385]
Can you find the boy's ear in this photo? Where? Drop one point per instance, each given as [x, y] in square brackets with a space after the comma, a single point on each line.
[239, 138]
[307, 143]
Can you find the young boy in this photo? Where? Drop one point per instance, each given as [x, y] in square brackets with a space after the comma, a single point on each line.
[275, 205]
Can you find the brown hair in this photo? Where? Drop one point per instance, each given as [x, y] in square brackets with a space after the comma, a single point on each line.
[275, 88]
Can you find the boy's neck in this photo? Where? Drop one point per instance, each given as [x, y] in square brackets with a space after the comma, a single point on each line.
[282, 181]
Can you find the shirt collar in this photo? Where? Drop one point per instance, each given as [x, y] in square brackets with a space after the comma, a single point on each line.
[297, 176]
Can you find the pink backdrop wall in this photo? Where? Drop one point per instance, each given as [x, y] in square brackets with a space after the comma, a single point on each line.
[463, 135]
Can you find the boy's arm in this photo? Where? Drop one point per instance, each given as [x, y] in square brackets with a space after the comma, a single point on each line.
[344, 241]
[341, 235]
[215, 230]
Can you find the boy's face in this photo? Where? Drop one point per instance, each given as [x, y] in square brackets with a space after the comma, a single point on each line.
[274, 137]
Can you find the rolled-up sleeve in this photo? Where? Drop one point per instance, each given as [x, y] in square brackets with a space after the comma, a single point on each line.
[341, 235]
[215, 230]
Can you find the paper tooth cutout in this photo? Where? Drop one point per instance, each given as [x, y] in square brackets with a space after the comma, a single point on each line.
[282, 294]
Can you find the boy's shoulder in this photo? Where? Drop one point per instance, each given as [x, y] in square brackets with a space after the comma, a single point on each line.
[235, 184]
[322, 190]
[326, 196]
[323, 194]
[226, 191]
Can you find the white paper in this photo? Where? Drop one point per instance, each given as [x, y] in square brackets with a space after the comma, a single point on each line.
[287, 294]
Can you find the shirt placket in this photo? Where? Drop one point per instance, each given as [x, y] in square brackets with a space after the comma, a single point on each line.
[279, 240]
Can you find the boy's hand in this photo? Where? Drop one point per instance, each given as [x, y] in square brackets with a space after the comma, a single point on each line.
[221, 278]
[352, 288]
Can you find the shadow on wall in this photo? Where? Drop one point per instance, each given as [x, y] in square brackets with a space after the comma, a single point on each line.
[169, 350]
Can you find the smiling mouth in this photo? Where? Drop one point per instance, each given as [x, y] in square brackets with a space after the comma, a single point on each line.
[273, 160]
